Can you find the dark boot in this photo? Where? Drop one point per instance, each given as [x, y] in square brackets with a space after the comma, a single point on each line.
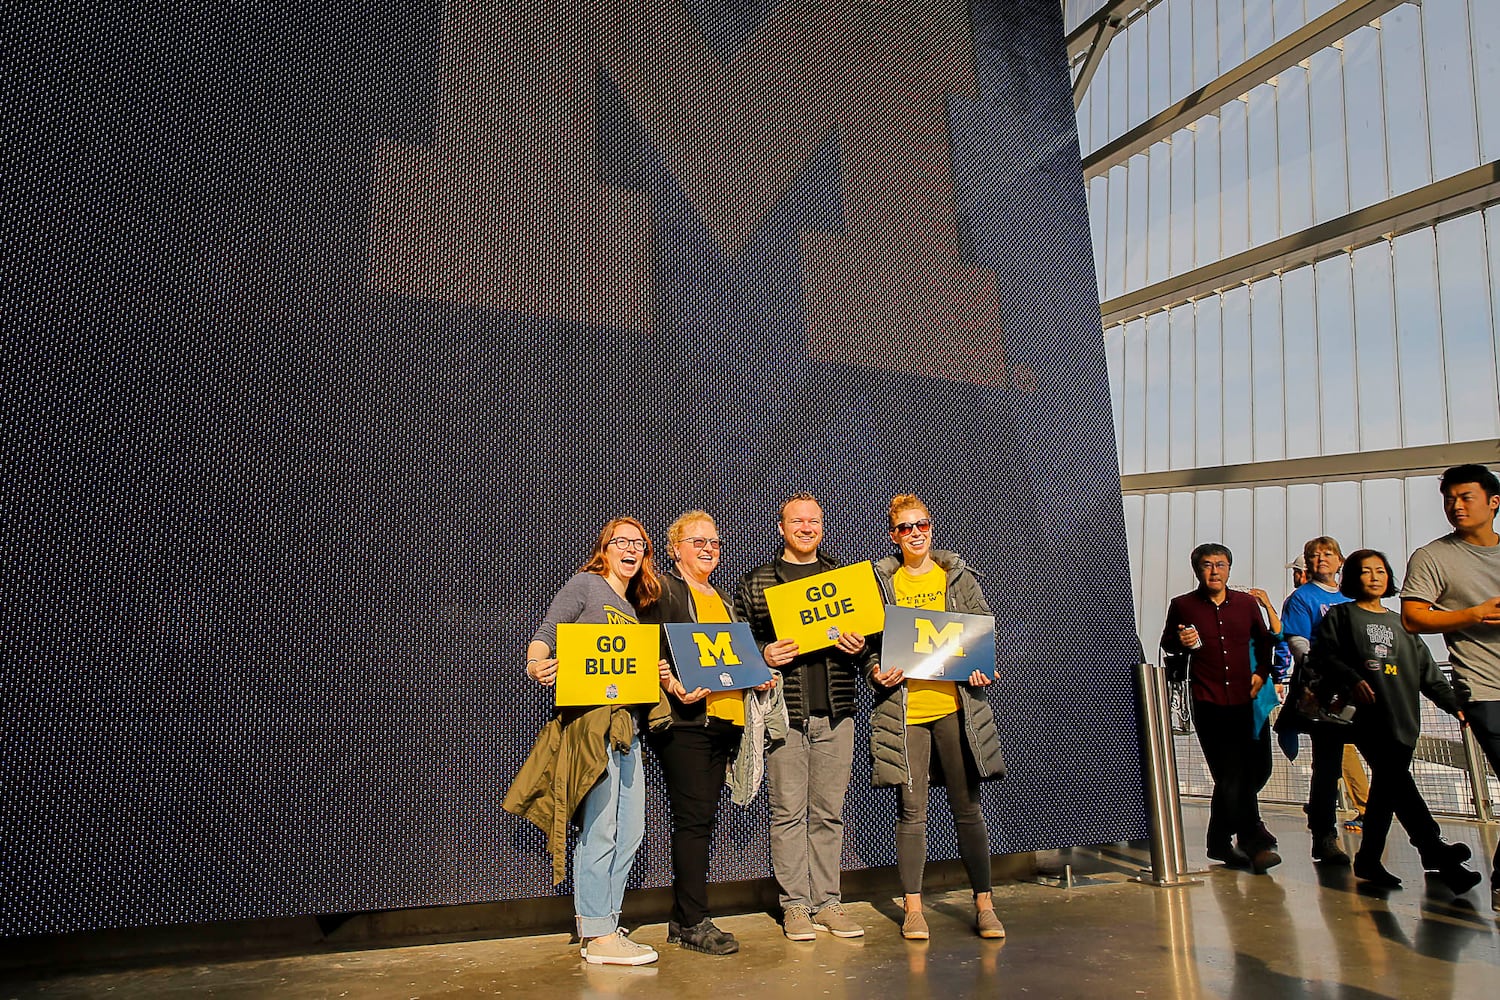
[702, 936]
[1441, 854]
[1327, 850]
[1372, 871]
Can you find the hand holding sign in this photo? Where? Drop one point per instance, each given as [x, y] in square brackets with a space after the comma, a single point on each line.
[821, 610]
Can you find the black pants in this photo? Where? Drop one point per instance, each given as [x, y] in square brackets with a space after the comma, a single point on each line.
[693, 760]
[1327, 767]
[1393, 793]
[962, 779]
[1241, 765]
[1484, 723]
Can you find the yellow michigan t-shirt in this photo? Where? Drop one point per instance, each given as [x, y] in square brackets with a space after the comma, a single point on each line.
[726, 705]
[926, 701]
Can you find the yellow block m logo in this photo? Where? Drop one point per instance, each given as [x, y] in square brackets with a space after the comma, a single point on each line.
[930, 637]
[715, 650]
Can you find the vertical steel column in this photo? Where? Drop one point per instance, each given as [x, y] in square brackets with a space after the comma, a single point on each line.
[1479, 781]
[1168, 862]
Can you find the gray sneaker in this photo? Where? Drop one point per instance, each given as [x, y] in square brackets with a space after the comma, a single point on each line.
[797, 925]
[835, 921]
[617, 949]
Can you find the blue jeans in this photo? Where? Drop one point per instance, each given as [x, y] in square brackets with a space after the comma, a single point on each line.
[613, 818]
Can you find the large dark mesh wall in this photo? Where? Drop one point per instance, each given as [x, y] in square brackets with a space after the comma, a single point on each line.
[335, 330]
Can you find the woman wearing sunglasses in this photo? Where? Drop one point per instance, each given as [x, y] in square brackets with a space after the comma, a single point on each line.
[696, 734]
[922, 730]
[586, 765]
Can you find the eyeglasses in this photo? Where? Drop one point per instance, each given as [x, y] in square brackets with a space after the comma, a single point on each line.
[628, 544]
[704, 543]
[905, 527]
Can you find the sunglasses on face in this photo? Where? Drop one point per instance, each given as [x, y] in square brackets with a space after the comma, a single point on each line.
[906, 527]
[628, 544]
[704, 543]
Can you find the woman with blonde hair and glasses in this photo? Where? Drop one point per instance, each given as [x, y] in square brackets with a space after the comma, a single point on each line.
[697, 734]
[586, 765]
[920, 729]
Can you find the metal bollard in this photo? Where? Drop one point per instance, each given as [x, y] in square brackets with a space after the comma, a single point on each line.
[1479, 783]
[1168, 862]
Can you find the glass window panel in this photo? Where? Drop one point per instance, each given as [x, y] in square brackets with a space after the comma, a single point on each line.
[1154, 594]
[1205, 42]
[1375, 349]
[1342, 515]
[1267, 404]
[1484, 21]
[1299, 350]
[1182, 201]
[1099, 107]
[1159, 72]
[1134, 506]
[1234, 235]
[1293, 143]
[1137, 185]
[1235, 401]
[1424, 511]
[1232, 33]
[1082, 116]
[1208, 387]
[1180, 28]
[1304, 520]
[1158, 392]
[1405, 105]
[1114, 356]
[1317, 8]
[1364, 119]
[1325, 81]
[1133, 401]
[1114, 250]
[1208, 513]
[1183, 350]
[1118, 77]
[1265, 191]
[1159, 208]
[1139, 72]
[1239, 531]
[1181, 523]
[1206, 192]
[1259, 32]
[1418, 344]
[1450, 86]
[1492, 239]
[1287, 16]
[1383, 505]
[1338, 389]
[1468, 337]
[1266, 570]
[1099, 225]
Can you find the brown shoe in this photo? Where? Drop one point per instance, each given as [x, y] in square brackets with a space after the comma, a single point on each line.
[914, 927]
[987, 923]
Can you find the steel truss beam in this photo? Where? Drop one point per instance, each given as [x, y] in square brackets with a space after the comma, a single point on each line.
[1319, 34]
[1458, 195]
[1428, 460]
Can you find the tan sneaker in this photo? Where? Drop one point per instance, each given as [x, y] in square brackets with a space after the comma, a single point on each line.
[987, 923]
[914, 926]
[797, 925]
[835, 921]
[617, 949]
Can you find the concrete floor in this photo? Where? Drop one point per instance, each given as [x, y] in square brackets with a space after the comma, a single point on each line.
[1298, 932]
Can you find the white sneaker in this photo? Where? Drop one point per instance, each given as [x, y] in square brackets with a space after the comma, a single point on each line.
[617, 949]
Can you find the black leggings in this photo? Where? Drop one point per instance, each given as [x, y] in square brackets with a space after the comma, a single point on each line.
[693, 759]
[962, 779]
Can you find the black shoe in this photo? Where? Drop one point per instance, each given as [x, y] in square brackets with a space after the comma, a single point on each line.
[1264, 860]
[1374, 873]
[702, 936]
[1459, 879]
[1268, 838]
[1495, 897]
[1232, 856]
[1445, 855]
[1327, 850]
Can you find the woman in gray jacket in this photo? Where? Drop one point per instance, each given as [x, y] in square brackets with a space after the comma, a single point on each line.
[921, 729]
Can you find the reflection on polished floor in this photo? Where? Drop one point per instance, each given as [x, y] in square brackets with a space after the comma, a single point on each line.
[1297, 932]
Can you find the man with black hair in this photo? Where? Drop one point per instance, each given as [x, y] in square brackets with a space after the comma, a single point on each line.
[1453, 588]
[1222, 630]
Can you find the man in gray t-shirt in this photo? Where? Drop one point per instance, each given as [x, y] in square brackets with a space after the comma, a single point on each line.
[1453, 587]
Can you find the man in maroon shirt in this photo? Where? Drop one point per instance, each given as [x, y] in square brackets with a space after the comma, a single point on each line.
[1230, 649]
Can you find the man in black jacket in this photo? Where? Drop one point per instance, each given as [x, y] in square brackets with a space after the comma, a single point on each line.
[808, 773]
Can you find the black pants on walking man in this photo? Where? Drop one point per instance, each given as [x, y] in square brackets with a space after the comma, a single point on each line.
[1241, 765]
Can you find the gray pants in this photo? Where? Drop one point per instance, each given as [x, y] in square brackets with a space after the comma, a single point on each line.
[945, 736]
[807, 775]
